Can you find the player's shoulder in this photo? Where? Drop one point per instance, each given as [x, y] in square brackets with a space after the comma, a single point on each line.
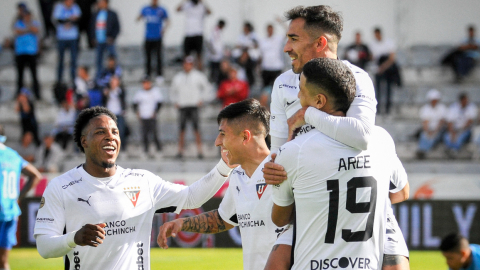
[286, 77]
[70, 177]
[138, 174]
[381, 139]
[356, 70]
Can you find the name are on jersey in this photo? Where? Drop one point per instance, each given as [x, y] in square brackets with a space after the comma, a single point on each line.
[352, 163]
[245, 222]
[343, 262]
[118, 227]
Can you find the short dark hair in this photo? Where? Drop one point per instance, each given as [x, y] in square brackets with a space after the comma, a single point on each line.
[333, 77]
[377, 29]
[248, 112]
[319, 18]
[471, 27]
[249, 26]
[84, 118]
[462, 95]
[86, 68]
[453, 242]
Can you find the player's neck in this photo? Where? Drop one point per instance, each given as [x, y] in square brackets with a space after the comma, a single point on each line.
[99, 171]
[468, 261]
[251, 164]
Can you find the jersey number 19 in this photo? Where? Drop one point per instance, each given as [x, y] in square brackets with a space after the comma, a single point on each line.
[353, 207]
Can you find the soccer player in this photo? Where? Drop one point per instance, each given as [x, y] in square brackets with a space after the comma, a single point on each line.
[314, 32]
[243, 127]
[11, 165]
[459, 253]
[341, 196]
[99, 214]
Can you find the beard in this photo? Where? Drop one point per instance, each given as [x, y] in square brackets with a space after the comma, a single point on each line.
[107, 165]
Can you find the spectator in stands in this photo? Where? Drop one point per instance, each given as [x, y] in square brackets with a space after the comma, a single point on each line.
[49, 155]
[387, 72]
[26, 148]
[46, 7]
[225, 66]
[216, 49]
[462, 59]
[232, 90]
[461, 117]
[83, 83]
[271, 49]
[146, 104]
[26, 32]
[104, 28]
[189, 88]
[459, 254]
[358, 53]
[66, 16]
[64, 124]
[433, 116]
[86, 7]
[195, 12]
[246, 53]
[112, 69]
[115, 102]
[156, 18]
[25, 107]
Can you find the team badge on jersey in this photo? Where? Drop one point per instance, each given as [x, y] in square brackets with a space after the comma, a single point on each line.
[132, 193]
[261, 189]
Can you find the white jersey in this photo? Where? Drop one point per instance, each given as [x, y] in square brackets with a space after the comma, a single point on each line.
[340, 199]
[285, 101]
[126, 204]
[248, 204]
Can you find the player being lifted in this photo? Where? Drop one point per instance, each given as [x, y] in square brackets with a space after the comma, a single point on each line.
[314, 32]
[243, 127]
[340, 197]
[99, 214]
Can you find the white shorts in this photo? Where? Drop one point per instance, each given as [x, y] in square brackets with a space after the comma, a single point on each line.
[394, 243]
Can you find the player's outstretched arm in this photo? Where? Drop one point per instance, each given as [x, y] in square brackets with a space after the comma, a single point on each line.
[282, 215]
[209, 222]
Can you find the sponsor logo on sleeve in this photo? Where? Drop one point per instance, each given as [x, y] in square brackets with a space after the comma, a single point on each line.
[133, 193]
[45, 220]
[286, 86]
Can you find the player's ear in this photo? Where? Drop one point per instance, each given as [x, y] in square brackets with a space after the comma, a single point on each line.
[83, 141]
[247, 136]
[320, 101]
[321, 43]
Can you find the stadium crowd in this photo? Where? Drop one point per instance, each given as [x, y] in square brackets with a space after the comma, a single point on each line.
[237, 71]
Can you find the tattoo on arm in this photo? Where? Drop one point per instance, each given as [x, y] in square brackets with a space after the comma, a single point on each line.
[391, 260]
[275, 247]
[209, 222]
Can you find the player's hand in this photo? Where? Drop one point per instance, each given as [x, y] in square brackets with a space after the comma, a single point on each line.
[296, 121]
[274, 174]
[90, 235]
[169, 229]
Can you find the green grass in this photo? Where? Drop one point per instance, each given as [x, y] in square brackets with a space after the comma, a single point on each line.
[201, 259]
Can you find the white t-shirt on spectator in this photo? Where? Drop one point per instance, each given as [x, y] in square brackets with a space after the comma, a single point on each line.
[189, 89]
[459, 116]
[383, 47]
[433, 114]
[147, 101]
[272, 52]
[216, 43]
[114, 104]
[194, 15]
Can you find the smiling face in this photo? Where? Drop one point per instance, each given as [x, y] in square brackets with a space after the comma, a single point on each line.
[300, 46]
[101, 142]
[230, 141]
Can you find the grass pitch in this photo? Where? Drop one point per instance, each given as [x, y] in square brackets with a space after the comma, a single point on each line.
[201, 259]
